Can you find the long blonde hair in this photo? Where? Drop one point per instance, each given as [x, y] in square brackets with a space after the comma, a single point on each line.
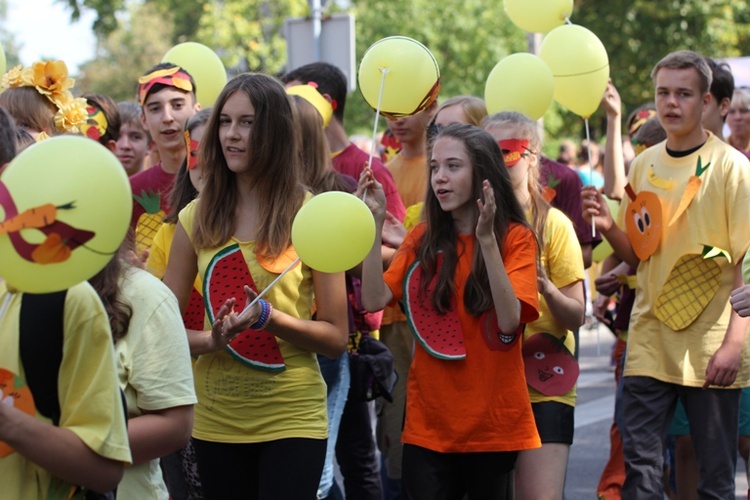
[274, 165]
[526, 128]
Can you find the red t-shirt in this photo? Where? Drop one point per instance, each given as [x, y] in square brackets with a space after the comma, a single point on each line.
[352, 160]
[480, 403]
[153, 184]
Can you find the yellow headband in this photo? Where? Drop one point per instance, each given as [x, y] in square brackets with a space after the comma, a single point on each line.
[311, 94]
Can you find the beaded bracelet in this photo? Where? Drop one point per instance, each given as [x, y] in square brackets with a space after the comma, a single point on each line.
[265, 316]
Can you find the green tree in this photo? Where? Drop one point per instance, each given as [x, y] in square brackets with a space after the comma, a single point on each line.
[7, 40]
[139, 42]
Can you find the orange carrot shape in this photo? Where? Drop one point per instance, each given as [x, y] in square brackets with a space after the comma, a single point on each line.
[36, 217]
[690, 190]
[550, 190]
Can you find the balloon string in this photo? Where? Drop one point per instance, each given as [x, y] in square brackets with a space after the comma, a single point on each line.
[261, 294]
[591, 170]
[567, 21]
[384, 72]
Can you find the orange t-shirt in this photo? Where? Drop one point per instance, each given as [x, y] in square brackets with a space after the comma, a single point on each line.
[480, 403]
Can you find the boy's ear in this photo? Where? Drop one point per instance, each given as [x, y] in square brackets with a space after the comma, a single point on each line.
[724, 106]
[196, 104]
[111, 145]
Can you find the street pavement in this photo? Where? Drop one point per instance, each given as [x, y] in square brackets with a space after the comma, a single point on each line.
[593, 417]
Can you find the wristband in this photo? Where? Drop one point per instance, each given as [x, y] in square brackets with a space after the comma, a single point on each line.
[265, 316]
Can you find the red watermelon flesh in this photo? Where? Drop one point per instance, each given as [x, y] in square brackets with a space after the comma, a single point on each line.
[440, 334]
[226, 277]
[193, 315]
[495, 338]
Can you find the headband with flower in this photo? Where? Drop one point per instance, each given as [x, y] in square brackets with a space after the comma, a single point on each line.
[50, 79]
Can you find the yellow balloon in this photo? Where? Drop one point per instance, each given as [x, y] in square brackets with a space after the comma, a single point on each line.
[204, 66]
[579, 65]
[73, 198]
[520, 82]
[538, 16]
[411, 79]
[333, 232]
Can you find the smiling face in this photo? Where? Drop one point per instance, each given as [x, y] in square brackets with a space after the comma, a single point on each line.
[164, 115]
[451, 177]
[235, 126]
[680, 105]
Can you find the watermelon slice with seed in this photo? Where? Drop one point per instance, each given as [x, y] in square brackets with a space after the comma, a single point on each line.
[440, 334]
[226, 277]
[194, 312]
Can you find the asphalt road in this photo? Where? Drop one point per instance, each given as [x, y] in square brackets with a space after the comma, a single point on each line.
[593, 417]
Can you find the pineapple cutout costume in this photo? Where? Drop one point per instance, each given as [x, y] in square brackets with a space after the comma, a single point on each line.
[150, 221]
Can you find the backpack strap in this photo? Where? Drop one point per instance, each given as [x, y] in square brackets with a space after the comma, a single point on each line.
[41, 347]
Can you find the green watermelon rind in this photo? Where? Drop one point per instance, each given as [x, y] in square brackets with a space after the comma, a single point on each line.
[412, 326]
[225, 252]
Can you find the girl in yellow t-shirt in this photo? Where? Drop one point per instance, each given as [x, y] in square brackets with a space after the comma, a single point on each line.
[551, 369]
[261, 409]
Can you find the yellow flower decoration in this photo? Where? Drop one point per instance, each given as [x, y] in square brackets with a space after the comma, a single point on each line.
[49, 77]
[71, 115]
[13, 78]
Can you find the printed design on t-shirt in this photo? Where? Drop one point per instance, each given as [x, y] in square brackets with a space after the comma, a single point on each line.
[549, 192]
[658, 182]
[549, 366]
[439, 334]
[694, 183]
[226, 277]
[150, 221]
[496, 339]
[643, 222]
[13, 392]
[689, 288]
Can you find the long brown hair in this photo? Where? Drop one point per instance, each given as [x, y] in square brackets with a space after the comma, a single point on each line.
[441, 235]
[107, 284]
[274, 165]
[29, 109]
[526, 128]
[316, 169]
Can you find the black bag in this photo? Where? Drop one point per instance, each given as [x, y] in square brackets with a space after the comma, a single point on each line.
[371, 368]
[41, 326]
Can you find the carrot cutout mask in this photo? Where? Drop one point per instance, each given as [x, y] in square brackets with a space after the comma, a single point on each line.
[690, 190]
[549, 192]
[37, 217]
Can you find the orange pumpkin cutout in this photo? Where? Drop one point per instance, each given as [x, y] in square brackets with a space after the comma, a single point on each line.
[14, 393]
[643, 222]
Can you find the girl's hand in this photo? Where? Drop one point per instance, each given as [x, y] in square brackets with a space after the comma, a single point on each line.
[595, 206]
[371, 192]
[393, 231]
[485, 222]
[218, 339]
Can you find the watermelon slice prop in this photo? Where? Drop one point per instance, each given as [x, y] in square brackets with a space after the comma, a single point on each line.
[439, 334]
[226, 276]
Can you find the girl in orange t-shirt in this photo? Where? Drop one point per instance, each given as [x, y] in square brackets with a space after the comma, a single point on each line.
[467, 281]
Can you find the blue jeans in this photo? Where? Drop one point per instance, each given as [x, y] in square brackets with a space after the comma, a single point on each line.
[336, 375]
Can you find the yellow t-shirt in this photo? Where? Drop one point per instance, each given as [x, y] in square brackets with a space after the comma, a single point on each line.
[239, 404]
[746, 269]
[158, 257]
[563, 263]
[410, 176]
[717, 217]
[155, 334]
[89, 397]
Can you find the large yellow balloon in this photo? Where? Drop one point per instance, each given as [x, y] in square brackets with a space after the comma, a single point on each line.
[411, 80]
[88, 193]
[538, 16]
[333, 232]
[520, 82]
[579, 65]
[204, 66]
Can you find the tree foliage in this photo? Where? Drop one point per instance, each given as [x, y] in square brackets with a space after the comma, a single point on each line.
[8, 42]
[138, 43]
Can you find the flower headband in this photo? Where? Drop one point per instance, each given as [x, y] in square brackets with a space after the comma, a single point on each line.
[171, 77]
[50, 79]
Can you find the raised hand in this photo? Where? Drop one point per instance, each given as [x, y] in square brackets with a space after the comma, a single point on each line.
[485, 222]
[595, 207]
[371, 192]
